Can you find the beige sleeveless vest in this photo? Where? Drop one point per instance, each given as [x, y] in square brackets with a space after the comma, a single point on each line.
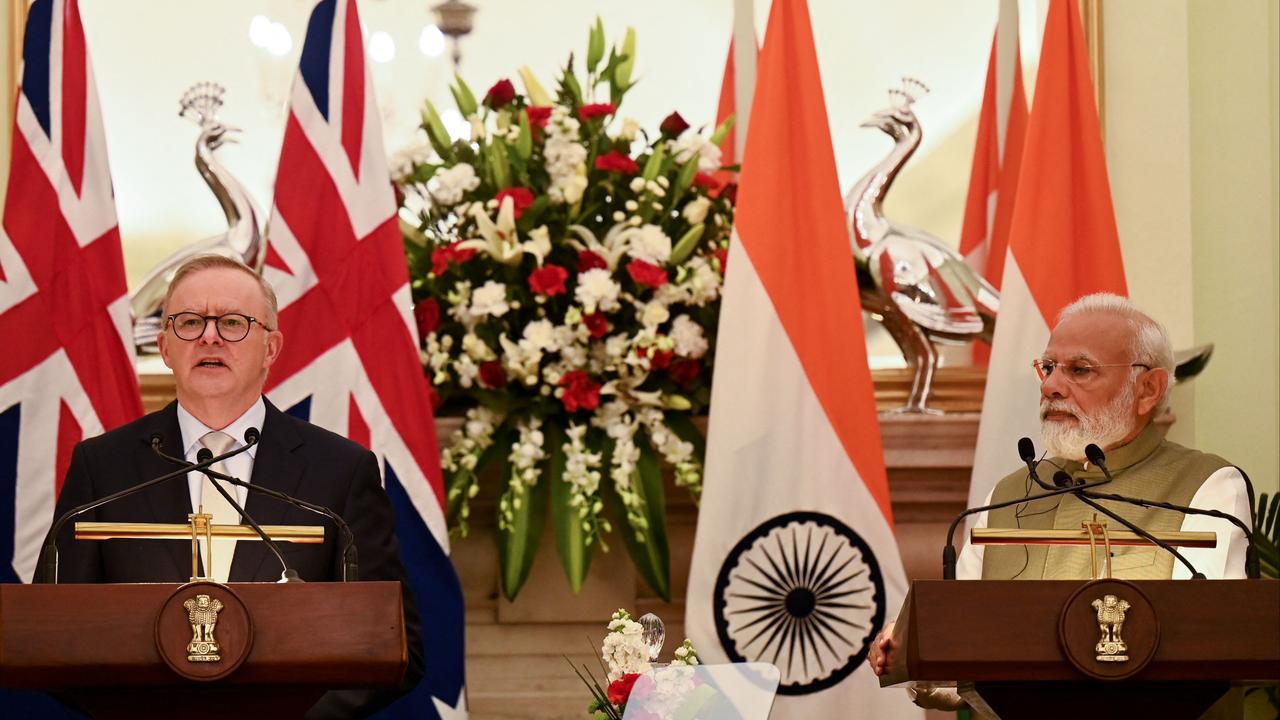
[1148, 467]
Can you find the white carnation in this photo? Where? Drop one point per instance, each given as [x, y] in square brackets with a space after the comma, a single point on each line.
[688, 337]
[597, 290]
[696, 210]
[539, 335]
[490, 299]
[650, 244]
[448, 185]
[654, 314]
[691, 143]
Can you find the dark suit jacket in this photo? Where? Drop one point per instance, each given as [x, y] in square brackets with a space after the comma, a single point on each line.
[293, 457]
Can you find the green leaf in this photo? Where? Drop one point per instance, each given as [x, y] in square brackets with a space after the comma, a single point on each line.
[436, 133]
[496, 159]
[654, 165]
[718, 136]
[595, 45]
[518, 544]
[524, 143]
[572, 541]
[463, 96]
[652, 557]
[687, 243]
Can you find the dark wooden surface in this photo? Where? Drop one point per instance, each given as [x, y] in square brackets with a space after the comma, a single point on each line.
[61, 637]
[1007, 631]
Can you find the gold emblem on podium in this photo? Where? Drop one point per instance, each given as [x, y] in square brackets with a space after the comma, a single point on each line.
[202, 613]
[1111, 647]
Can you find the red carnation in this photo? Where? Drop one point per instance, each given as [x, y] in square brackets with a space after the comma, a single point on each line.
[596, 324]
[442, 256]
[595, 110]
[588, 260]
[579, 391]
[620, 689]
[685, 371]
[730, 193]
[521, 199]
[614, 161]
[660, 360]
[538, 116]
[673, 125]
[548, 280]
[502, 93]
[427, 315]
[647, 274]
[492, 375]
[706, 182]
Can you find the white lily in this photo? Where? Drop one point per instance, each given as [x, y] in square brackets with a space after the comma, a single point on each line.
[611, 249]
[500, 241]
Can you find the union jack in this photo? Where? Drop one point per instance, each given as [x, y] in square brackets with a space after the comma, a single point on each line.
[336, 260]
[67, 369]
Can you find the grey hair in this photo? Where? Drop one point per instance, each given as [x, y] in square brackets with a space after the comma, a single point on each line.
[211, 261]
[1151, 344]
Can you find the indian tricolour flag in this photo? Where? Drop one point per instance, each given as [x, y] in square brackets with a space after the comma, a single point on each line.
[795, 561]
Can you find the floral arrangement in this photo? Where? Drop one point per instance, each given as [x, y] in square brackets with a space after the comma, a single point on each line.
[566, 268]
[626, 655]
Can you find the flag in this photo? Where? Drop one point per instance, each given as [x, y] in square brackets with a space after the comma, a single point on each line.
[1063, 242]
[350, 364]
[794, 559]
[997, 155]
[67, 370]
[727, 106]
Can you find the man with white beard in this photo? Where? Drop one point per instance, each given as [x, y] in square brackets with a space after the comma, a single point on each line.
[1105, 375]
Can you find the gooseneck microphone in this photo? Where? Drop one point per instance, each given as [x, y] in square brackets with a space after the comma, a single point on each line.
[1027, 451]
[1252, 567]
[350, 556]
[287, 573]
[48, 562]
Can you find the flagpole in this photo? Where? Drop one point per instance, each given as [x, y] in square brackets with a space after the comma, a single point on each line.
[744, 64]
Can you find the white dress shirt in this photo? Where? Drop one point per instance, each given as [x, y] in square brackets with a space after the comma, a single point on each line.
[239, 466]
[1224, 491]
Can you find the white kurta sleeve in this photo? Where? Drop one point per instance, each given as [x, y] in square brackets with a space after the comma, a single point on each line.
[969, 563]
[1223, 491]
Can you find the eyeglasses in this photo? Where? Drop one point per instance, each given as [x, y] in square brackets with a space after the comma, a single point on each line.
[1076, 372]
[232, 327]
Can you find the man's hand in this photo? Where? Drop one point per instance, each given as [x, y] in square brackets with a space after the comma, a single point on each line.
[882, 649]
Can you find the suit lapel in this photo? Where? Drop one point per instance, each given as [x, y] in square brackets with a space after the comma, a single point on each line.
[169, 501]
[277, 466]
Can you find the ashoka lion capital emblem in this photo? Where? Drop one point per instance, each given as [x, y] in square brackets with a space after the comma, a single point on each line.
[202, 613]
[1111, 647]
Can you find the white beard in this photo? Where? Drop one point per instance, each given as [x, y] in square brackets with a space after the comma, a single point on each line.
[1110, 426]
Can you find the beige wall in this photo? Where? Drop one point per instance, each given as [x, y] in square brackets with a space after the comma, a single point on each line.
[1191, 130]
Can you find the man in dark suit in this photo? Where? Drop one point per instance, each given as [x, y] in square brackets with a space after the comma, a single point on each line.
[220, 339]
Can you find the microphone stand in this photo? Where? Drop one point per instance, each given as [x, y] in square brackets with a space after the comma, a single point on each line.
[350, 556]
[48, 562]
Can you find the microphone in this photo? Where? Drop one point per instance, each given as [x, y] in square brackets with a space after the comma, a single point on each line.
[1252, 567]
[1094, 454]
[350, 556]
[949, 552]
[288, 574]
[1027, 451]
[48, 562]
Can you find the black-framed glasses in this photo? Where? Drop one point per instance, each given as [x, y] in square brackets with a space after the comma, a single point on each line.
[232, 327]
[1076, 372]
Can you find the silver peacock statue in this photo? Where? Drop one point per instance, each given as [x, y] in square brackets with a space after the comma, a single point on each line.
[916, 285]
[243, 238]
[913, 283]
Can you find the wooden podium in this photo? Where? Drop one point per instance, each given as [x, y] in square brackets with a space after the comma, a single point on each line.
[1030, 648]
[119, 651]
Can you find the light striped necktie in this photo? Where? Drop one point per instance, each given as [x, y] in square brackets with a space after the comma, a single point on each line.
[222, 511]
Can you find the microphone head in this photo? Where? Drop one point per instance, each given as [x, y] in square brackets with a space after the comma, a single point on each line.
[204, 455]
[156, 440]
[1094, 454]
[251, 436]
[1026, 450]
[1062, 479]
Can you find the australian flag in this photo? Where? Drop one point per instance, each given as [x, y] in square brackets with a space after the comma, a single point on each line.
[336, 260]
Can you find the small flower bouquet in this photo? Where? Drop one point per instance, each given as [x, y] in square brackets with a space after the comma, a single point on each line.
[628, 652]
[566, 269]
